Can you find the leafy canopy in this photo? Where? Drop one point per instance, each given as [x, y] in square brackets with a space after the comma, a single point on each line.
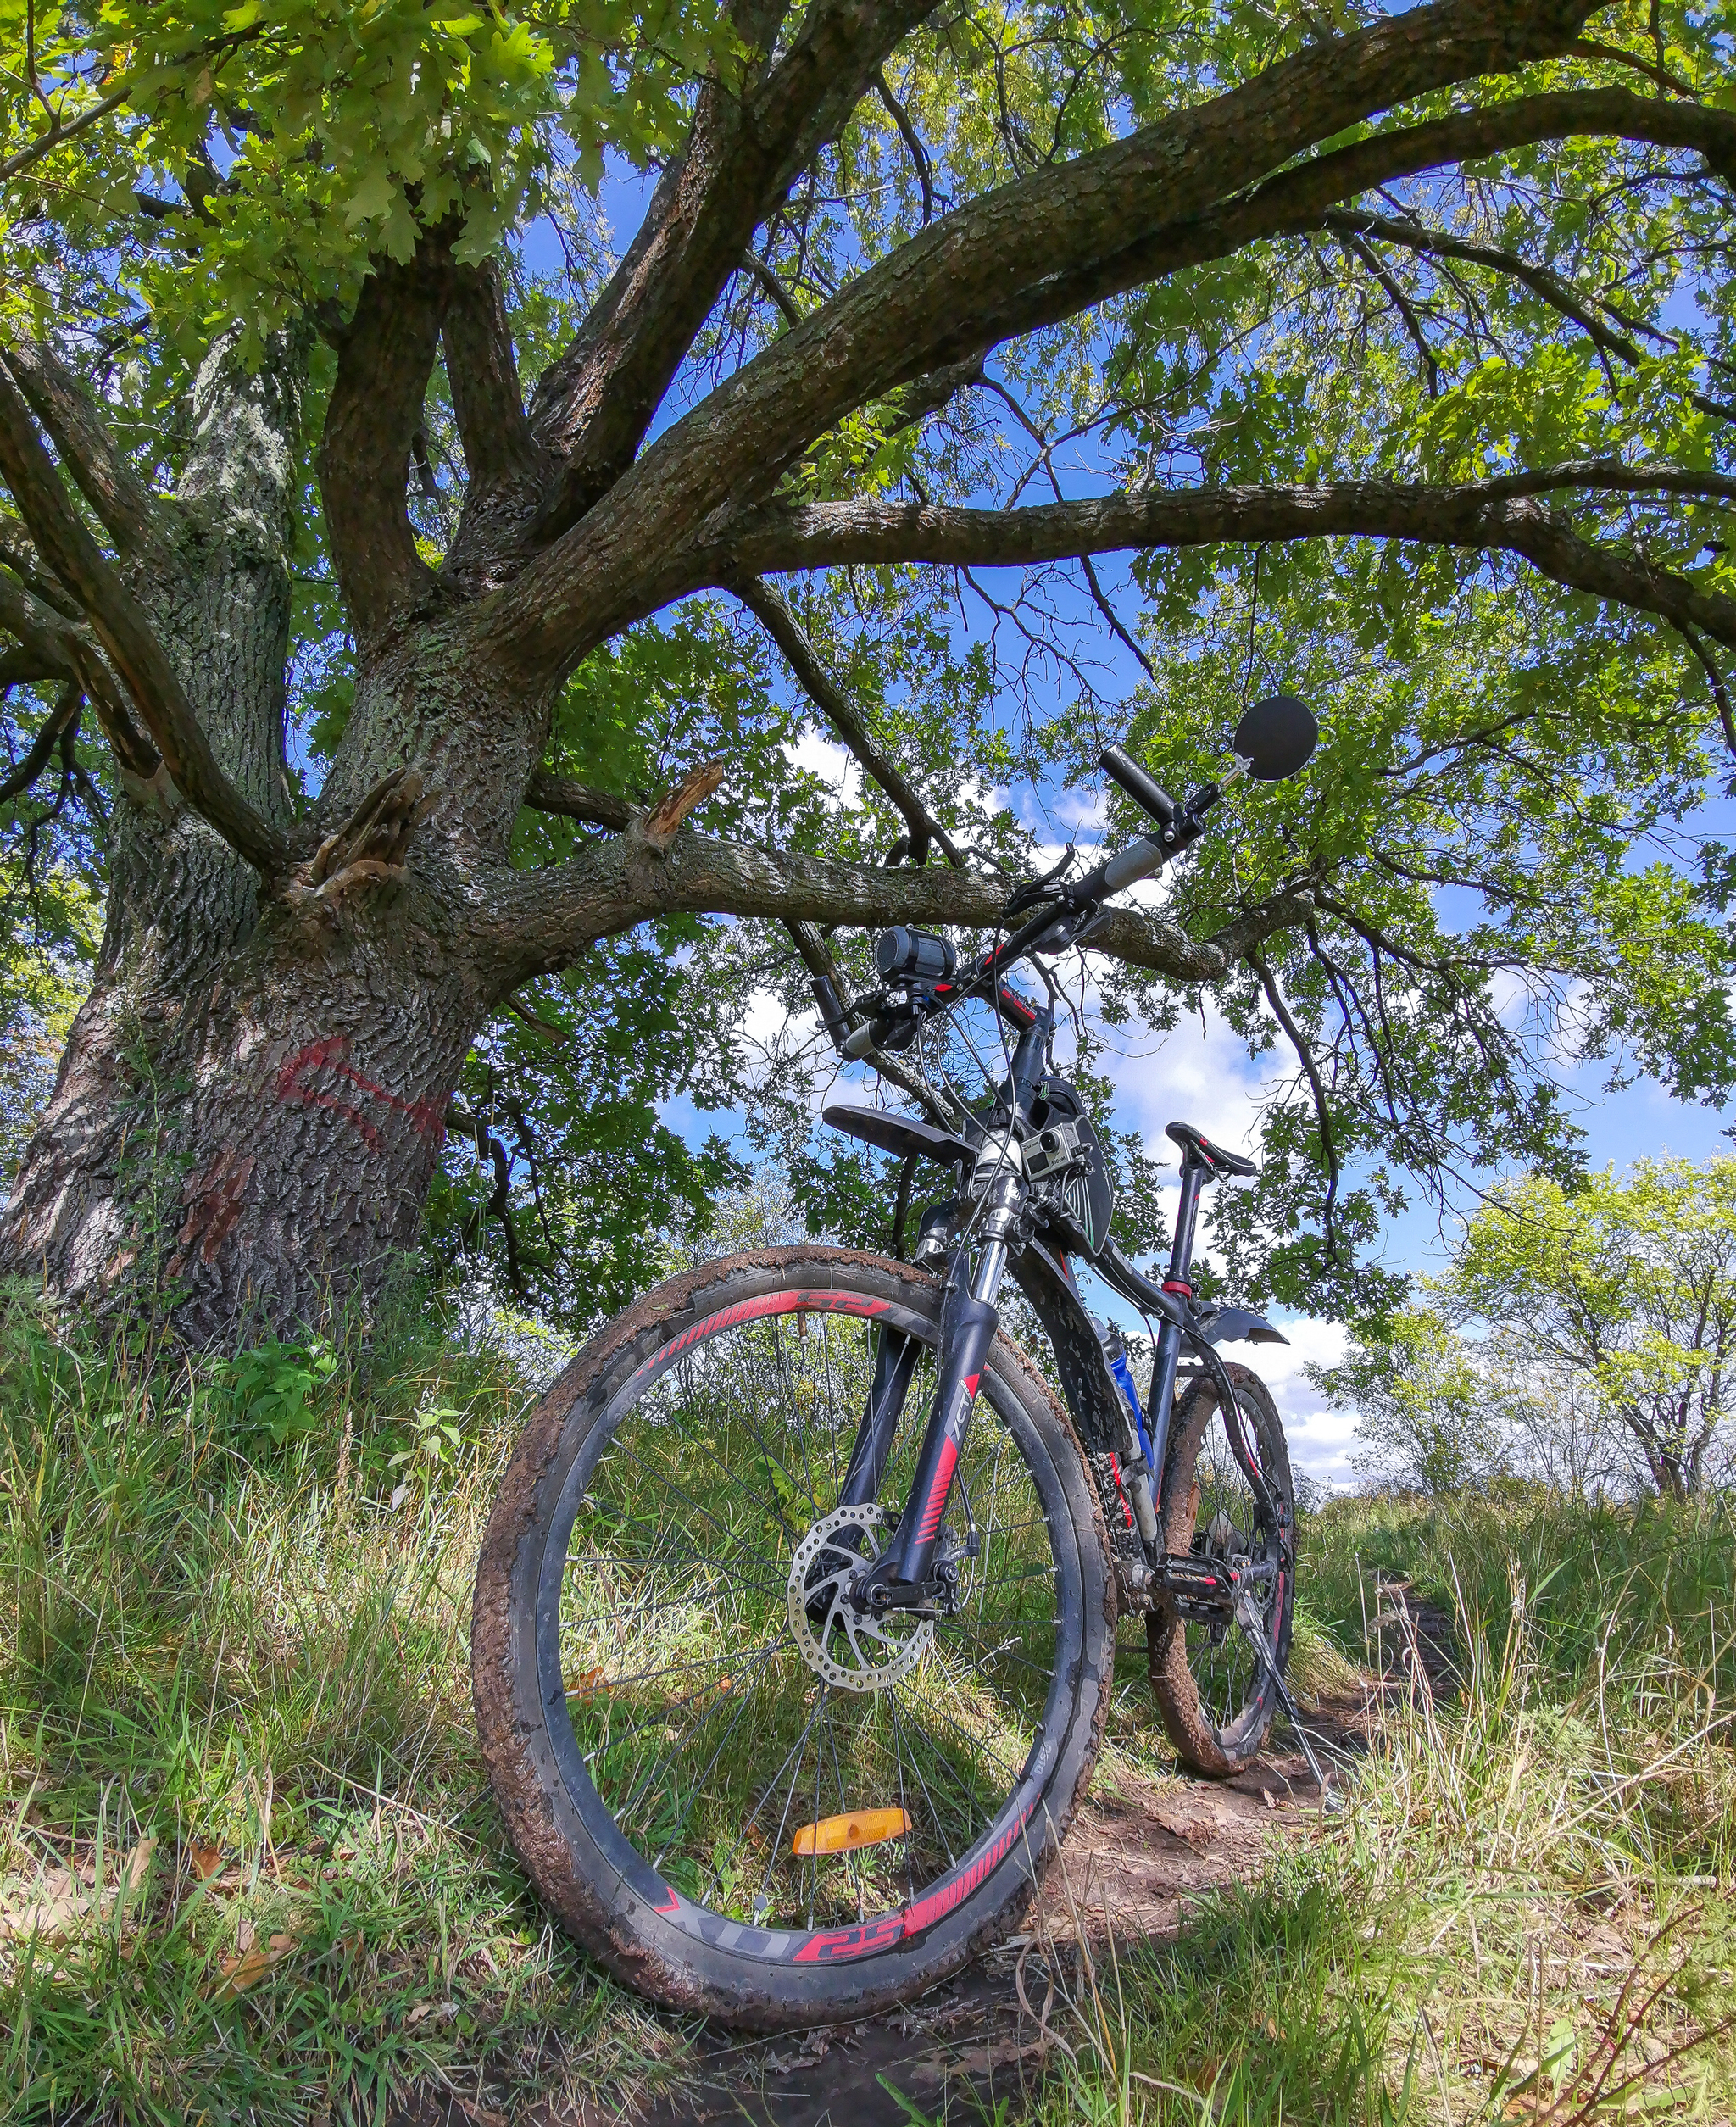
[1503, 842]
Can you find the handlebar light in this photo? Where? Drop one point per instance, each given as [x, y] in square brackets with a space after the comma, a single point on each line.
[915, 959]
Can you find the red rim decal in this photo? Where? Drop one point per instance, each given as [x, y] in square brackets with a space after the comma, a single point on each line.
[941, 1900]
[795, 1302]
[837, 1945]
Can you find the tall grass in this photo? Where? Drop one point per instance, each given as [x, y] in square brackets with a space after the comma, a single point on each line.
[1523, 1912]
[248, 1865]
[249, 1868]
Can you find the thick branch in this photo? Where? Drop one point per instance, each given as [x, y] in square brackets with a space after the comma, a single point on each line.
[543, 921]
[1041, 249]
[745, 147]
[1495, 513]
[771, 609]
[385, 356]
[70, 415]
[561, 794]
[45, 637]
[483, 373]
[24, 668]
[120, 626]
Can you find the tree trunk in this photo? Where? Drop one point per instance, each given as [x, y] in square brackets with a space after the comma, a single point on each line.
[248, 1112]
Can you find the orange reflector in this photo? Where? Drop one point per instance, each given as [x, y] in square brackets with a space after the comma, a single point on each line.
[844, 1834]
[581, 1687]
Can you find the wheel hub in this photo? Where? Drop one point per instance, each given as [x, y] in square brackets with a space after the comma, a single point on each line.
[850, 1648]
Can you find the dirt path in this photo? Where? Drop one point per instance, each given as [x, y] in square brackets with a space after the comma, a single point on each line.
[1130, 1860]
[1137, 1851]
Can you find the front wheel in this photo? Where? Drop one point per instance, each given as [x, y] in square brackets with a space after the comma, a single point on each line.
[1215, 1692]
[741, 1796]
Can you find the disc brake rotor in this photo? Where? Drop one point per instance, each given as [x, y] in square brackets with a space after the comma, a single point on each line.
[845, 1646]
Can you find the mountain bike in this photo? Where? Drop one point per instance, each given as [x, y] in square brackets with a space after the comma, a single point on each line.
[795, 1617]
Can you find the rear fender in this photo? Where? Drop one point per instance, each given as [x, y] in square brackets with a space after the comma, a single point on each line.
[1232, 1325]
[1099, 1414]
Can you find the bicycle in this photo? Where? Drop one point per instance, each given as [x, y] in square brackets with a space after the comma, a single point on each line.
[795, 1617]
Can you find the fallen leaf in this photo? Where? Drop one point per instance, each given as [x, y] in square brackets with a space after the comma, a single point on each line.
[51, 1914]
[64, 1903]
[134, 1868]
[206, 1861]
[240, 1972]
[1189, 1829]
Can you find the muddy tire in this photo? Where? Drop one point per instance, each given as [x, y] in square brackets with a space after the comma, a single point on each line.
[1215, 1695]
[642, 1675]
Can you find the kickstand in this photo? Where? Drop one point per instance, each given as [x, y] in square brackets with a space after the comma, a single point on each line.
[1253, 1625]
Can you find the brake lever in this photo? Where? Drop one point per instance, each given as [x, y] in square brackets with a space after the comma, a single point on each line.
[1035, 890]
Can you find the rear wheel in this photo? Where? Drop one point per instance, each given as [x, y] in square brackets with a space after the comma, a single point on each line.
[741, 1796]
[1215, 1694]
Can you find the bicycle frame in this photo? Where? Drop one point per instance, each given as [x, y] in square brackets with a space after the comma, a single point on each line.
[905, 1576]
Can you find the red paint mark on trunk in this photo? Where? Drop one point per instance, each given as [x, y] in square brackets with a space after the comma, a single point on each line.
[297, 1087]
[213, 1201]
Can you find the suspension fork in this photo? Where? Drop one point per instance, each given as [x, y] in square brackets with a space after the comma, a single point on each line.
[895, 1361]
[968, 1322]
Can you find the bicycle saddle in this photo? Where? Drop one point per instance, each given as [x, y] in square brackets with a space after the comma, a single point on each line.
[1195, 1144]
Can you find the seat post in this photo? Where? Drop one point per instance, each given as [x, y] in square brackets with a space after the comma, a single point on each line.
[1167, 1356]
[1194, 1171]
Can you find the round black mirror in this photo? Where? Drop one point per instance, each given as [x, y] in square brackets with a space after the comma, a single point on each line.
[1275, 737]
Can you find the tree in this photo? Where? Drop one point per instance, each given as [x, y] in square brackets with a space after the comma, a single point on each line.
[1629, 1285]
[365, 740]
[1427, 1416]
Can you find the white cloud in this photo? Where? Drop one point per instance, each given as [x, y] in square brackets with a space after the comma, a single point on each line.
[1319, 1437]
[1194, 1074]
[831, 763]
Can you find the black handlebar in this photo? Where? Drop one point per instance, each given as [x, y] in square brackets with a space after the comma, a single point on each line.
[1138, 786]
[1068, 909]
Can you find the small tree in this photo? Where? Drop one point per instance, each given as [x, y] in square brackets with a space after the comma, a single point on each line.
[1426, 1419]
[1628, 1287]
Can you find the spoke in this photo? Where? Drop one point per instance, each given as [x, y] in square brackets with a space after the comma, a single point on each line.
[943, 1766]
[613, 1685]
[934, 1816]
[746, 1693]
[663, 1477]
[611, 1743]
[814, 1858]
[796, 1752]
[783, 1369]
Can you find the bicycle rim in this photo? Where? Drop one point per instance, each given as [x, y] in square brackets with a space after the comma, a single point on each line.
[790, 1794]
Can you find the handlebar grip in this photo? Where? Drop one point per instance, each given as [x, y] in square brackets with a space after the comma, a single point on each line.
[1138, 786]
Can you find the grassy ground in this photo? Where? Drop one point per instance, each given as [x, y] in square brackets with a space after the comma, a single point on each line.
[1523, 1914]
[249, 1869]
